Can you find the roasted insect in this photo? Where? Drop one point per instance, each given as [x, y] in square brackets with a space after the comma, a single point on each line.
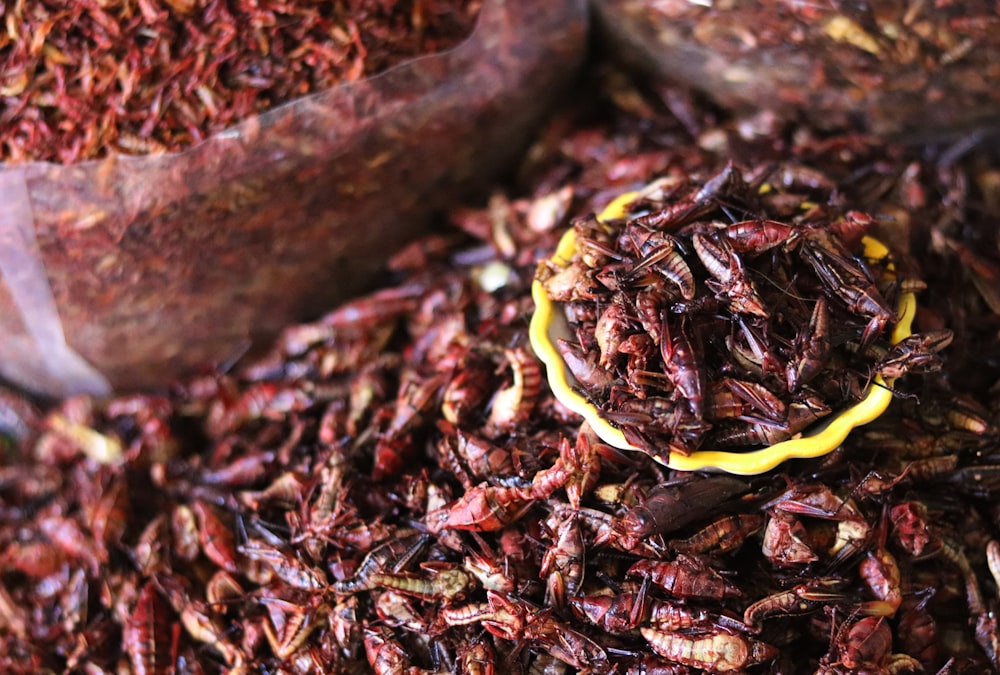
[395, 489]
[741, 315]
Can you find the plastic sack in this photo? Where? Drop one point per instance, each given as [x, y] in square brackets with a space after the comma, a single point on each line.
[893, 68]
[130, 272]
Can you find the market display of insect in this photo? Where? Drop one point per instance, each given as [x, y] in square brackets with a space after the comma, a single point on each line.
[85, 80]
[658, 398]
[395, 489]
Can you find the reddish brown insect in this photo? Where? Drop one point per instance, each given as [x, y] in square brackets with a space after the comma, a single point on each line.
[722, 535]
[385, 655]
[477, 658]
[627, 611]
[682, 365]
[216, 537]
[289, 624]
[881, 572]
[669, 507]
[918, 353]
[802, 599]
[392, 555]
[484, 508]
[812, 348]
[659, 251]
[585, 367]
[685, 577]
[866, 645]
[758, 236]
[918, 635]
[513, 405]
[149, 637]
[731, 279]
[846, 280]
[563, 562]
[695, 203]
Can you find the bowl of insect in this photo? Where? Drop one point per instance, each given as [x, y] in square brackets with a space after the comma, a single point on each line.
[549, 324]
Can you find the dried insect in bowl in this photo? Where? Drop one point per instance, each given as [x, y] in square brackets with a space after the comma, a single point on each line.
[549, 323]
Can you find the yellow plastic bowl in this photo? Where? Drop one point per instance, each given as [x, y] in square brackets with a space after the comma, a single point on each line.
[549, 323]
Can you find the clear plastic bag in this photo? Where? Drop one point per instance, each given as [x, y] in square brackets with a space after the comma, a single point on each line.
[895, 68]
[132, 271]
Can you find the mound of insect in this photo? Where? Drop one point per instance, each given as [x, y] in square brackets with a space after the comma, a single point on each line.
[733, 312]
